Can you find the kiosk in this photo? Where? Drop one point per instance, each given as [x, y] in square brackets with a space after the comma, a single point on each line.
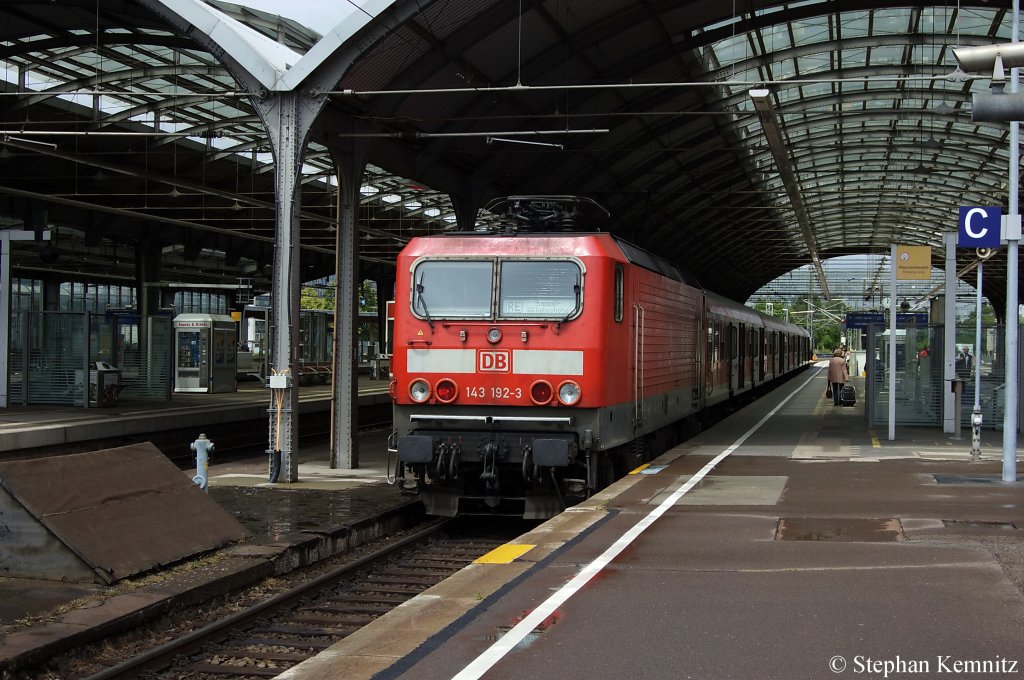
[204, 345]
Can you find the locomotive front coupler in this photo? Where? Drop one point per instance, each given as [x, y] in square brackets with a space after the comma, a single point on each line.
[447, 462]
[531, 472]
[489, 455]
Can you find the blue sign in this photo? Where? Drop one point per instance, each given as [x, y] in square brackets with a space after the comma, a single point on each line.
[862, 320]
[904, 319]
[979, 227]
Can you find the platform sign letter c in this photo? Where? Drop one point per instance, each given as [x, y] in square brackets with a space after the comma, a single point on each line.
[979, 227]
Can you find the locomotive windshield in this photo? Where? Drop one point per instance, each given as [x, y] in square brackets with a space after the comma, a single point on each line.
[543, 289]
[448, 289]
[527, 289]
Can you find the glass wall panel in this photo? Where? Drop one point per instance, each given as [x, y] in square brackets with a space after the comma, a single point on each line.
[920, 385]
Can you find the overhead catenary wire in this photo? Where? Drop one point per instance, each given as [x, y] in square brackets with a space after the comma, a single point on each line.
[955, 76]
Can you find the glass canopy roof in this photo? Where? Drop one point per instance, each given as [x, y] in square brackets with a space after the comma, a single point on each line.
[871, 115]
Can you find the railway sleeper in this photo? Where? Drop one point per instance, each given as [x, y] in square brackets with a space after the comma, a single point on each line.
[281, 657]
[422, 572]
[378, 590]
[325, 631]
[386, 596]
[370, 608]
[333, 620]
[407, 580]
[240, 671]
[313, 646]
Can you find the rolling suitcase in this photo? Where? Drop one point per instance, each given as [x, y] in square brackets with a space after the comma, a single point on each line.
[848, 397]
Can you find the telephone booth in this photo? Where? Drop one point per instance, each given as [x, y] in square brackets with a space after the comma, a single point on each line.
[205, 351]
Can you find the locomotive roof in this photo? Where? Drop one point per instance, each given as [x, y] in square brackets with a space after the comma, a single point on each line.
[633, 253]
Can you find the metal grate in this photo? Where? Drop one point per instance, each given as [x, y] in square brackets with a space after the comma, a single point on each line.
[143, 355]
[57, 352]
[16, 360]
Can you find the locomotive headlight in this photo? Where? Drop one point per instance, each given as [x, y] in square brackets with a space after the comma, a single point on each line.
[446, 390]
[568, 393]
[419, 390]
[494, 336]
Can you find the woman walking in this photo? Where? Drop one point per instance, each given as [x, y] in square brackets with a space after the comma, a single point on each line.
[837, 375]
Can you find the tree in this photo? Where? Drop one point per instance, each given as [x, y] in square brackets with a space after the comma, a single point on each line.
[322, 296]
[368, 297]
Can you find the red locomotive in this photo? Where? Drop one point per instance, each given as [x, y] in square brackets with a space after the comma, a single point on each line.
[532, 368]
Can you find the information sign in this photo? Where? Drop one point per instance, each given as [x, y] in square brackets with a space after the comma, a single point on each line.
[979, 227]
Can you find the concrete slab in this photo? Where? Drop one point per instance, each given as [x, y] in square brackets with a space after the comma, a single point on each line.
[24, 598]
[114, 513]
[727, 490]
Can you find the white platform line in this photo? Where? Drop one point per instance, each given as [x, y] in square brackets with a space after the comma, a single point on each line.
[501, 647]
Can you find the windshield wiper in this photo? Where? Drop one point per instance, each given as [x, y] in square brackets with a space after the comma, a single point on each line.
[576, 291]
[423, 303]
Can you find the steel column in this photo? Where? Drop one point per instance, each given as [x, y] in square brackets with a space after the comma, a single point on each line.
[349, 162]
[287, 132]
[949, 335]
[1010, 424]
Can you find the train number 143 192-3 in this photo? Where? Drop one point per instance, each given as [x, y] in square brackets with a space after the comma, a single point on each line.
[494, 392]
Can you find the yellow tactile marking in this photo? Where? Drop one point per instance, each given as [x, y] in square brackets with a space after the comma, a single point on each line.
[505, 554]
[642, 467]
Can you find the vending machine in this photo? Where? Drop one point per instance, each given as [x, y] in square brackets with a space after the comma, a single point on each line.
[205, 348]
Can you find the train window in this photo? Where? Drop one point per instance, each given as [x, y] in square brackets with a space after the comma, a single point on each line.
[452, 289]
[620, 288]
[539, 289]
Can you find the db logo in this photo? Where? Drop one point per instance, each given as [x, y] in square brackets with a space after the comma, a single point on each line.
[494, 360]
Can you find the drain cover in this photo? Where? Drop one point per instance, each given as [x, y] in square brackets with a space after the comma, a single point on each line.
[839, 529]
[978, 524]
[972, 479]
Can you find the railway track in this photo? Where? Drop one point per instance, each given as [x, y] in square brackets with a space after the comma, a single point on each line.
[241, 441]
[235, 440]
[263, 639]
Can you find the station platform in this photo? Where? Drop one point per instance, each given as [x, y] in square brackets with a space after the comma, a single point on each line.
[788, 541]
[809, 547]
[46, 428]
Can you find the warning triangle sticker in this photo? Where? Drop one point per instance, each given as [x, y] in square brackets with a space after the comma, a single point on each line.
[419, 332]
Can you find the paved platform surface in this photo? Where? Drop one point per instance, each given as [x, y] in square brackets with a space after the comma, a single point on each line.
[814, 550]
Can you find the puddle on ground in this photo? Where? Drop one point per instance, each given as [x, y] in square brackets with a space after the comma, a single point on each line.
[270, 514]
